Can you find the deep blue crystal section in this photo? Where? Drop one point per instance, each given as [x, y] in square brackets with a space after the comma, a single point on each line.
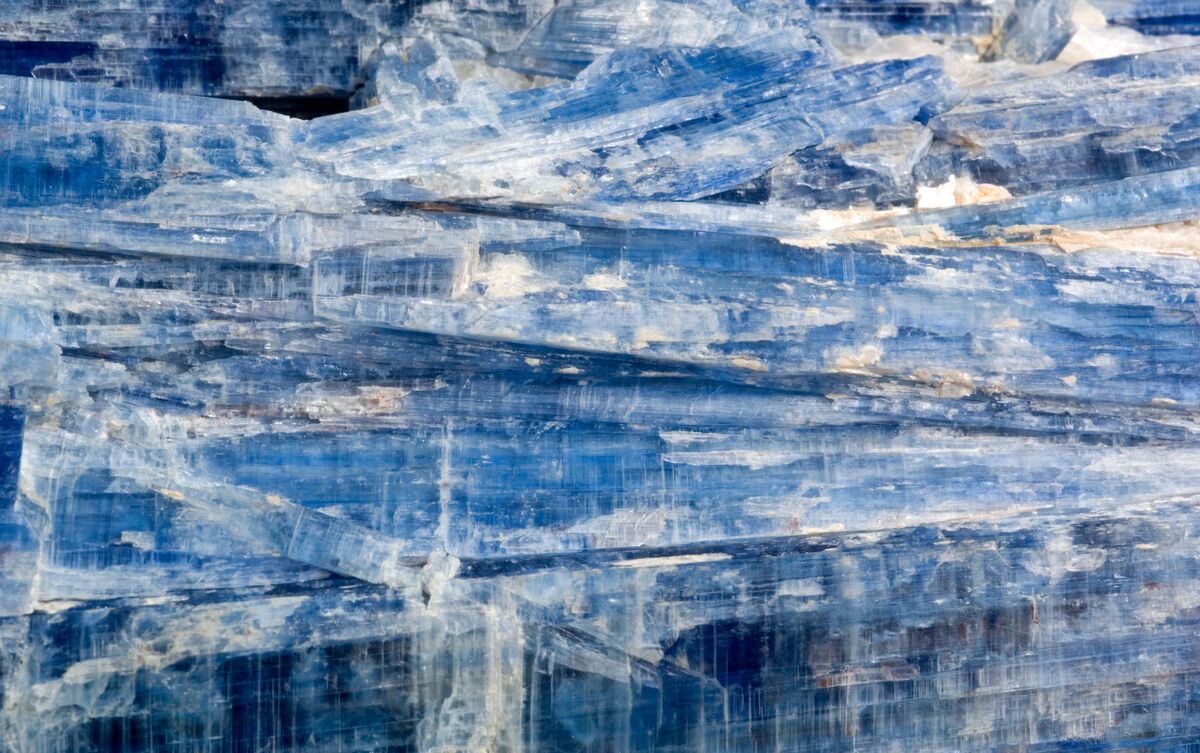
[598, 376]
[11, 423]
[1153, 16]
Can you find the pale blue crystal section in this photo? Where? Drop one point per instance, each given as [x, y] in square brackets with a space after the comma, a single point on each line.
[1036, 30]
[598, 377]
[999, 134]
[930, 17]
[1153, 16]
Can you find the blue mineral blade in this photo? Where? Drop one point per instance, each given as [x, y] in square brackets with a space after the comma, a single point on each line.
[1074, 128]
[938, 18]
[647, 377]
[277, 51]
[69, 143]
[763, 307]
[1153, 16]
[1035, 31]
[872, 168]
[975, 623]
[1159, 198]
[935, 636]
[20, 526]
[371, 475]
[576, 32]
[637, 124]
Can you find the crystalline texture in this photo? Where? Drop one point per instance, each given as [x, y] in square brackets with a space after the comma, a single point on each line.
[638, 124]
[1036, 30]
[868, 167]
[272, 51]
[933, 17]
[1100, 121]
[641, 377]
[1153, 16]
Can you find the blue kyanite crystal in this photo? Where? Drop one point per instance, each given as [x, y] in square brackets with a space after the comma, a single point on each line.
[932, 17]
[279, 52]
[1036, 30]
[1146, 200]
[651, 376]
[869, 167]
[1097, 122]
[637, 124]
[576, 32]
[1153, 16]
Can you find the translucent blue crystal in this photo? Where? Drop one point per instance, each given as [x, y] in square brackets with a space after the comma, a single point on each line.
[873, 167]
[1036, 30]
[682, 107]
[1153, 16]
[1073, 128]
[933, 17]
[265, 50]
[81, 143]
[654, 377]
[1145, 200]
[577, 32]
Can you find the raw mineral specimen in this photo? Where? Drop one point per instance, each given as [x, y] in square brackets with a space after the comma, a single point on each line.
[1036, 30]
[663, 375]
[300, 52]
[930, 17]
[1153, 16]
[1121, 117]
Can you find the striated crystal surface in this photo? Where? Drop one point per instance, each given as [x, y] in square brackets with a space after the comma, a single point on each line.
[1121, 117]
[1036, 30]
[302, 54]
[928, 17]
[1153, 16]
[595, 376]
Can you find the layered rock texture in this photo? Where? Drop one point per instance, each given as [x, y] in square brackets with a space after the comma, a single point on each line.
[605, 376]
